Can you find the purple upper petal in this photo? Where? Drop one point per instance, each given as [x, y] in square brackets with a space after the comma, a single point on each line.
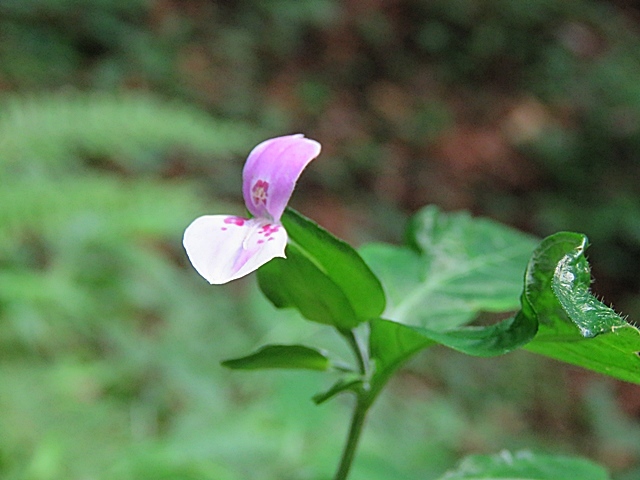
[271, 172]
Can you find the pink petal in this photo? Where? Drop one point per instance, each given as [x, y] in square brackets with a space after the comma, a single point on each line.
[271, 172]
[222, 247]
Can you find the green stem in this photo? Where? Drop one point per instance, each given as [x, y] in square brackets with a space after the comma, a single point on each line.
[365, 396]
[363, 402]
[355, 429]
[352, 340]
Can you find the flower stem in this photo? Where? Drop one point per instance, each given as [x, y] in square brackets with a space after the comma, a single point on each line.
[355, 429]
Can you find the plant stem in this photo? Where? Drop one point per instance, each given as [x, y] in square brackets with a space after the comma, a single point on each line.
[355, 429]
[363, 402]
[352, 340]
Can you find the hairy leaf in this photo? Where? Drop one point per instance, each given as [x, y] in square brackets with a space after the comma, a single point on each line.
[574, 326]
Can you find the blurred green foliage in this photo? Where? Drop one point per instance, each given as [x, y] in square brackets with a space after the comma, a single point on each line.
[121, 121]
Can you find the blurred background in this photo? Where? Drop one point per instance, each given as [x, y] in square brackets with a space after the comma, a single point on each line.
[123, 120]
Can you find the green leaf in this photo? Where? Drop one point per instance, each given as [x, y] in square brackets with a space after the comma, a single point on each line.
[391, 344]
[487, 341]
[281, 356]
[526, 466]
[457, 266]
[571, 281]
[574, 326]
[340, 262]
[297, 282]
[322, 276]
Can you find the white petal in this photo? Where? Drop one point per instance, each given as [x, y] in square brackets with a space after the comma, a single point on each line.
[222, 248]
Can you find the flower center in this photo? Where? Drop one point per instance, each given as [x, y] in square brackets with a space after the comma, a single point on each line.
[259, 193]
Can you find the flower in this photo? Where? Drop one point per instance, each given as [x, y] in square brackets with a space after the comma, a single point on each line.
[224, 247]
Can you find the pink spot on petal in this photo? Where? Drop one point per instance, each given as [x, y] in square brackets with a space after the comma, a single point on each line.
[260, 192]
[269, 229]
[234, 221]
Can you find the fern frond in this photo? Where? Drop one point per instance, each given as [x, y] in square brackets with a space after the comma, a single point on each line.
[96, 205]
[46, 131]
